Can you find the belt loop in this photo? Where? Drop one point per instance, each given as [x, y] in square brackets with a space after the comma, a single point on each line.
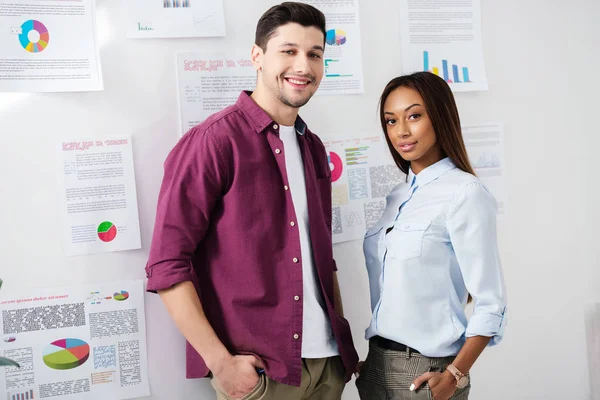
[407, 352]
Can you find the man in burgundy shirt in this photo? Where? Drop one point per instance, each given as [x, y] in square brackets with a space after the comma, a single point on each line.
[242, 252]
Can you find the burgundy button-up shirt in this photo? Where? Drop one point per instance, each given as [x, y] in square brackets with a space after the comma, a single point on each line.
[223, 222]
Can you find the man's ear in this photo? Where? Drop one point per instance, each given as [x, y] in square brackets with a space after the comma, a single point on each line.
[256, 56]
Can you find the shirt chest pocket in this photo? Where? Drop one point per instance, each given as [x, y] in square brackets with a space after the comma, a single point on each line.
[405, 240]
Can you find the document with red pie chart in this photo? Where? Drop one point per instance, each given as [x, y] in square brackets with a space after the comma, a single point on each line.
[362, 174]
[99, 201]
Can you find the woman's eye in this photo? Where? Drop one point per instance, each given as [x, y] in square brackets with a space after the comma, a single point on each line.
[414, 116]
[390, 121]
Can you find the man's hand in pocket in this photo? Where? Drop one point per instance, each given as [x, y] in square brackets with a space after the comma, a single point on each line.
[236, 376]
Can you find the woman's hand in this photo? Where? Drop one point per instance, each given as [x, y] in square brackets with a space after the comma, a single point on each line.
[358, 367]
[442, 385]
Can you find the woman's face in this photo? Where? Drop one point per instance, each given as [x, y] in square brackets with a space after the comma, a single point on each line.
[409, 129]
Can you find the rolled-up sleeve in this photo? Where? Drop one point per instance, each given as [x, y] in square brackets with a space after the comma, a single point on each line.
[195, 176]
[472, 228]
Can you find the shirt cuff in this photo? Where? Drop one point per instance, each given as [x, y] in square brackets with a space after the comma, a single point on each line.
[164, 276]
[488, 325]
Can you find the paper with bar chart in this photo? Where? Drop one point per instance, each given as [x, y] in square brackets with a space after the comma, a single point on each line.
[175, 18]
[209, 82]
[343, 48]
[485, 147]
[444, 37]
[98, 193]
[362, 174]
[86, 343]
[49, 46]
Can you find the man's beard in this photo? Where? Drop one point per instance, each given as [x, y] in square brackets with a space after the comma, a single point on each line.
[290, 103]
[295, 104]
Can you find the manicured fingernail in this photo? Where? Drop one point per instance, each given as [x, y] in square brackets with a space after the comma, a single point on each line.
[412, 387]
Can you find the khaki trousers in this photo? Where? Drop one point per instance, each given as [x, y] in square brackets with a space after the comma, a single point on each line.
[322, 379]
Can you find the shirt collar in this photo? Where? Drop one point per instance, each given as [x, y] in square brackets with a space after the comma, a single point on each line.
[258, 117]
[431, 173]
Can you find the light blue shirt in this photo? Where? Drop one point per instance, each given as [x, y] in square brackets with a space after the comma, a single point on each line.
[442, 247]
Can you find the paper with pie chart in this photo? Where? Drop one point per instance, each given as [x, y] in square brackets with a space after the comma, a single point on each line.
[49, 46]
[99, 200]
[362, 174]
[343, 48]
[86, 342]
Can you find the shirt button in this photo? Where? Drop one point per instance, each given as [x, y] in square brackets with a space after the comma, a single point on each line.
[277, 151]
[286, 187]
[292, 223]
[295, 260]
[296, 336]
[275, 126]
[296, 298]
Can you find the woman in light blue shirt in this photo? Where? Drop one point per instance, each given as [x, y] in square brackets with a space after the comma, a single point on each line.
[433, 249]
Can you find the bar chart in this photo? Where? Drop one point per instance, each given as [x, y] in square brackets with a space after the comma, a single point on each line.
[176, 3]
[460, 74]
[27, 395]
[357, 155]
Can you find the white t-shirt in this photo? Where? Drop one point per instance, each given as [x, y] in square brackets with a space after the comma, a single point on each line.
[317, 338]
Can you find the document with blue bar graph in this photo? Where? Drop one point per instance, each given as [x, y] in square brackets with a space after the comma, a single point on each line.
[444, 37]
[485, 147]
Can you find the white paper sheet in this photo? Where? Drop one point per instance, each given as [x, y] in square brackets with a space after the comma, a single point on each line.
[485, 147]
[175, 18]
[207, 83]
[49, 46]
[444, 37]
[363, 173]
[98, 196]
[85, 342]
[592, 328]
[343, 49]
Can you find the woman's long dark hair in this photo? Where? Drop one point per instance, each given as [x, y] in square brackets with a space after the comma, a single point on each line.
[442, 111]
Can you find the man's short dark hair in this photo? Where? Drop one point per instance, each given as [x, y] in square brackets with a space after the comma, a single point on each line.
[285, 13]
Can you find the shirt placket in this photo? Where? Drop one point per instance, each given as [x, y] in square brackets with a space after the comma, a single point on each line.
[294, 255]
[412, 191]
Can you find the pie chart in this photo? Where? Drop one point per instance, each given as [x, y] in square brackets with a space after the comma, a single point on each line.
[107, 231]
[336, 165]
[335, 37]
[66, 353]
[34, 36]
[121, 296]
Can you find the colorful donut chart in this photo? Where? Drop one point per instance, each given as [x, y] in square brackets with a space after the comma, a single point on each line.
[41, 44]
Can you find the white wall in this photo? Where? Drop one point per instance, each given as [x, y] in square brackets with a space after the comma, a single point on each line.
[542, 59]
